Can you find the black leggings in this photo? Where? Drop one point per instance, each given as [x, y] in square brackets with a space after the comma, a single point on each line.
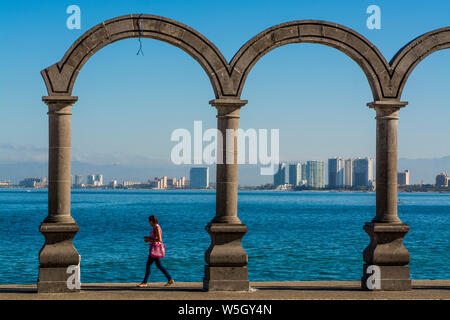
[157, 261]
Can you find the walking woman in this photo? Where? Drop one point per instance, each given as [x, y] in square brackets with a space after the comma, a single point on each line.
[156, 252]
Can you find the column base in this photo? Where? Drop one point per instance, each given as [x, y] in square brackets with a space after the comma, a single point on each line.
[59, 261]
[386, 244]
[386, 252]
[57, 280]
[226, 259]
[226, 279]
[392, 278]
[226, 247]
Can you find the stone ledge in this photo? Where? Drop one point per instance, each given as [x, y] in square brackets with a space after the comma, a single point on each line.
[59, 99]
[58, 227]
[233, 102]
[387, 104]
[387, 227]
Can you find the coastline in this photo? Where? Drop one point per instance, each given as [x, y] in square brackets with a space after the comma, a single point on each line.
[11, 188]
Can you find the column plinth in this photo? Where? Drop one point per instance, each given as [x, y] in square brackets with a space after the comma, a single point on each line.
[226, 259]
[386, 230]
[58, 228]
[226, 268]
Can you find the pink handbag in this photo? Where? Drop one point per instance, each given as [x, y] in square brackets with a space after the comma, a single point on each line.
[157, 250]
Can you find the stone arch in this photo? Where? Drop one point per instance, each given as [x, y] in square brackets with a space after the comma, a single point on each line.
[60, 77]
[59, 227]
[354, 45]
[407, 58]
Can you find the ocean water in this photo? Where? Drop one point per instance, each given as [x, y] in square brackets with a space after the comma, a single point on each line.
[292, 235]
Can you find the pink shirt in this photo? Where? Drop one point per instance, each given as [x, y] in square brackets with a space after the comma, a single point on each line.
[153, 233]
[153, 236]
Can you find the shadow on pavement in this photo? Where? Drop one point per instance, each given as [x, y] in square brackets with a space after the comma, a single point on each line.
[301, 288]
[131, 288]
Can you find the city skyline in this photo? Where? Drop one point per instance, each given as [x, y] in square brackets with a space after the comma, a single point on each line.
[421, 170]
[298, 174]
[312, 173]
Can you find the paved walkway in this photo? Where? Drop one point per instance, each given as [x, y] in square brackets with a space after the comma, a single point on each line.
[297, 290]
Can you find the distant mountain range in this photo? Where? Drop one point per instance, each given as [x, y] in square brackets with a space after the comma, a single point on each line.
[425, 169]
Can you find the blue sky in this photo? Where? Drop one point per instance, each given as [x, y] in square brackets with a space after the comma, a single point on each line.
[129, 105]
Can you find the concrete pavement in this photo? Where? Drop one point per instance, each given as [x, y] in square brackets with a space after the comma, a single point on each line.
[293, 290]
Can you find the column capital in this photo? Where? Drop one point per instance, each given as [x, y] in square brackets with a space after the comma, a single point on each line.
[386, 109]
[59, 100]
[387, 104]
[228, 107]
[228, 102]
[59, 105]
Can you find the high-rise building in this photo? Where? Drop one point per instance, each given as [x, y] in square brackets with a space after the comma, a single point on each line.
[304, 180]
[403, 178]
[315, 174]
[279, 178]
[91, 179]
[78, 180]
[348, 173]
[362, 172]
[159, 183]
[442, 180]
[295, 174]
[95, 180]
[336, 172]
[181, 183]
[113, 183]
[99, 179]
[199, 178]
[171, 182]
[33, 182]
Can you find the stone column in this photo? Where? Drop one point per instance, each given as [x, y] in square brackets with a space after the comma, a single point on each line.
[226, 268]
[58, 228]
[386, 250]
